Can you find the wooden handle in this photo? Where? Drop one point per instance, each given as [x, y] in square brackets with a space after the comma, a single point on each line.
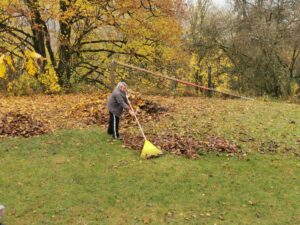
[141, 129]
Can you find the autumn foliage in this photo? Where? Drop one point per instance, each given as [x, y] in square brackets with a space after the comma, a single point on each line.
[57, 44]
[79, 111]
[54, 46]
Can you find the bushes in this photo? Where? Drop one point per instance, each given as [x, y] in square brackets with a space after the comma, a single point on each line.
[30, 78]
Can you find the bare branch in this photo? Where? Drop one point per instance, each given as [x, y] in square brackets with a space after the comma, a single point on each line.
[104, 41]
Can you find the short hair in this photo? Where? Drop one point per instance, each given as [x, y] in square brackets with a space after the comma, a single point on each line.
[121, 84]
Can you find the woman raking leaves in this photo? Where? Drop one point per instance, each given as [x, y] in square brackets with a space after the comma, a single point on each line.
[117, 102]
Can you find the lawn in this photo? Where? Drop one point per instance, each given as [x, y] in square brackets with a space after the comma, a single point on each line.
[257, 126]
[79, 176]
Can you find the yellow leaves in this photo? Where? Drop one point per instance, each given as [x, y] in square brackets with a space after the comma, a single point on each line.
[50, 80]
[33, 55]
[10, 86]
[77, 9]
[194, 62]
[2, 59]
[137, 45]
[84, 6]
[10, 63]
[2, 70]
[294, 88]
[4, 3]
[5, 63]
[219, 63]
[223, 82]
[2, 67]
[30, 81]
[30, 67]
[26, 84]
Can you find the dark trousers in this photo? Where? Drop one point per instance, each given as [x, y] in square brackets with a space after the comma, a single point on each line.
[113, 127]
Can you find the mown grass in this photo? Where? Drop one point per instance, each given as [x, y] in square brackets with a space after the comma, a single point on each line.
[81, 177]
[254, 125]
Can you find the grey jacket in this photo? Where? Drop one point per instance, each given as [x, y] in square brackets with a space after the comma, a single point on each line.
[117, 102]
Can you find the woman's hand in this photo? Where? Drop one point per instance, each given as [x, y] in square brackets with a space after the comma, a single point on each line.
[131, 112]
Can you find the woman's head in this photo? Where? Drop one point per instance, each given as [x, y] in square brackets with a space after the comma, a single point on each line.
[1, 211]
[122, 86]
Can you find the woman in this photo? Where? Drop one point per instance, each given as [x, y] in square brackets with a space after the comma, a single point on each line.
[116, 103]
[1, 213]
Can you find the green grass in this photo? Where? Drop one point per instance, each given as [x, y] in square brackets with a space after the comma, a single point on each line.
[235, 120]
[81, 177]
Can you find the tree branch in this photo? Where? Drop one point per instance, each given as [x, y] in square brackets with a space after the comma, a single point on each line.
[114, 52]
[14, 35]
[5, 27]
[104, 41]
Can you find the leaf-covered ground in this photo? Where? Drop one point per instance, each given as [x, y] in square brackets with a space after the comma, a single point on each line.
[181, 125]
[267, 127]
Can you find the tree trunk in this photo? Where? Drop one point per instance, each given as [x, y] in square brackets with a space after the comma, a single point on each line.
[64, 65]
[37, 28]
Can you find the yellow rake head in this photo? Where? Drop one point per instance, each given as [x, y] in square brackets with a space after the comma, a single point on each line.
[150, 151]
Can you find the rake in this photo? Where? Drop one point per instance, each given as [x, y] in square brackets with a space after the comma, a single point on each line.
[149, 150]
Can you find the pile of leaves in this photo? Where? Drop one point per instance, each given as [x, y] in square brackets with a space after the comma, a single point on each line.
[17, 124]
[95, 111]
[221, 145]
[91, 113]
[186, 146]
[151, 107]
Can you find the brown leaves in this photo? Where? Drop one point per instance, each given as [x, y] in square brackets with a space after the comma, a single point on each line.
[218, 144]
[183, 145]
[72, 110]
[81, 110]
[152, 107]
[17, 124]
[270, 146]
[92, 112]
[96, 112]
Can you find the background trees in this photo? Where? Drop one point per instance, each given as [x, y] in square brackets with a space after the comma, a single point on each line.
[78, 38]
[258, 40]
[265, 46]
[251, 46]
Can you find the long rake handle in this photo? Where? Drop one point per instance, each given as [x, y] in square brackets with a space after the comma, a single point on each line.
[138, 122]
[179, 81]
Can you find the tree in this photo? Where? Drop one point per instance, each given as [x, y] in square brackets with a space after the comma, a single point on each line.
[79, 37]
[205, 31]
[265, 46]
